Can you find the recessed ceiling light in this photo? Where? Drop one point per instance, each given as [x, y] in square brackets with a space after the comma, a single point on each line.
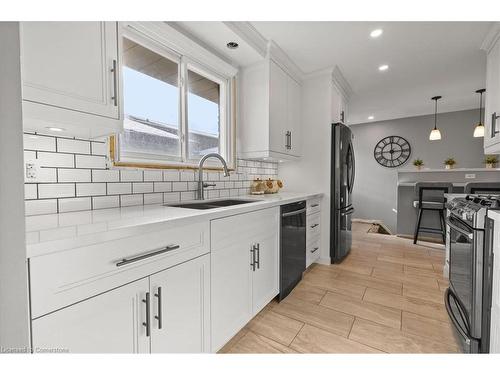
[232, 45]
[383, 67]
[54, 129]
[376, 33]
[370, 117]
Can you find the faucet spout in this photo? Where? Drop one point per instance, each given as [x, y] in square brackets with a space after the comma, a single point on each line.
[202, 185]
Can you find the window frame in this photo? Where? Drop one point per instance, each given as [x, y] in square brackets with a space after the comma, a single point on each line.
[227, 123]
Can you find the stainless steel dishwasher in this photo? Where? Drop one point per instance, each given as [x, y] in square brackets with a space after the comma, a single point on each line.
[292, 246]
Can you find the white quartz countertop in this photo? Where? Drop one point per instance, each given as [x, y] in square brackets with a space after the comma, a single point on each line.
[426, 170]
[59, 232]
[494, 214]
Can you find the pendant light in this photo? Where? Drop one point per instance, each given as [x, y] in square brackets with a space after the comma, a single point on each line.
[435, 133]
[479, 129]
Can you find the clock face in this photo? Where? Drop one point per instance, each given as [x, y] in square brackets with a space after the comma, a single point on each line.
[392, 151]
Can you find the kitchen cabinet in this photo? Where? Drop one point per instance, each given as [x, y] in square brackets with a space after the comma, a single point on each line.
[492, 100]
[166, 312]
[313, 231]
[339, 106]
[108, 323]
[244, 270]
[270, 122]
[70, 77]
[181, 308]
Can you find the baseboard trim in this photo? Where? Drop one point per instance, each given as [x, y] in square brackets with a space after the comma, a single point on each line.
[326, 261]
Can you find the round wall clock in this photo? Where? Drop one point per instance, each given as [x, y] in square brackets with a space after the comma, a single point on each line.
[392, 151]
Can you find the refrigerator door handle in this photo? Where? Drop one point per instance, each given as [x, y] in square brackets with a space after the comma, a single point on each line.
[353, 167]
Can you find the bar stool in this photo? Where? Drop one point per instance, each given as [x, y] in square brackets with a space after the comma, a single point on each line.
[430, 197]
[482, 188]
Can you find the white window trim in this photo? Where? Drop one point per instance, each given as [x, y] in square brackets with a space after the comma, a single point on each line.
[154, 36]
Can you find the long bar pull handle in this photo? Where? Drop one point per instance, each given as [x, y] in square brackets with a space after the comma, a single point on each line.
[252, 262]
[159, 316]
[314, 226]
[257, 248]
[314, 250]
[115, 84]
[297, 212]
[494, 118]
[147, 323]
[290, 145]
[125, 261]
[315, 205]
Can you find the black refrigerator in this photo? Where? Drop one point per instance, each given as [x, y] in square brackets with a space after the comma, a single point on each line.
[343, 171]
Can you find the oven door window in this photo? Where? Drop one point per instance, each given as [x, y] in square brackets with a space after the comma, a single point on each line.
[461, 265]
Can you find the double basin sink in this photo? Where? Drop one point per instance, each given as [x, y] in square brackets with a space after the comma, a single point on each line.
[208, 205]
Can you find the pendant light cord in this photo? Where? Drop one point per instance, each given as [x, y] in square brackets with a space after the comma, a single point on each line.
[480, 108]
[435, 114]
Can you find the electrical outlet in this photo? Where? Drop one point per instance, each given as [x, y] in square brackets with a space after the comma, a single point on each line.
[31, 170]
[470, 175]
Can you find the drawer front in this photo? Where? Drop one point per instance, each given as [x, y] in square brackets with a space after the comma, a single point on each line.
[313, 252]
[313, 226]
[60, 279]
[313, 206]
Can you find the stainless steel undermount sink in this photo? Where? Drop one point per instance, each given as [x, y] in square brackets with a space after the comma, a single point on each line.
[207, 205]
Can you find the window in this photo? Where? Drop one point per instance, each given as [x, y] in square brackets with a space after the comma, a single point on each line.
[165, 121]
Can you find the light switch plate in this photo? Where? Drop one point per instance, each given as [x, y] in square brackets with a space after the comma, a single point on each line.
[470, 175]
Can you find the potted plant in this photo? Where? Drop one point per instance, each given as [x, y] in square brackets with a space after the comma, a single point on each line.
[491, 161]
[419, 163]
[449, 163]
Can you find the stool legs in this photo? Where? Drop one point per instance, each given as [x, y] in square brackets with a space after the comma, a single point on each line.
[417, 227]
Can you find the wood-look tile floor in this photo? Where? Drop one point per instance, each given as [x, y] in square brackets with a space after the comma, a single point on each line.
[385, 297]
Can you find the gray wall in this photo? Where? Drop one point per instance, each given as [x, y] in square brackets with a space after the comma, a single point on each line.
[375, 189]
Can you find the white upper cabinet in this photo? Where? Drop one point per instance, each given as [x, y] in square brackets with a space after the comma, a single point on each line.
[492, 100]
[70, 76]
[270, 118]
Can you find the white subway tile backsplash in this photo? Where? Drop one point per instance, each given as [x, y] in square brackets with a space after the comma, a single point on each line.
[153, 175]
[119, 188]
[99, 148]
[109, 201]
[73, 175]
[41, 207]
[56, 190]
[51, 159]
[73, 146]
[130, 175]
[131, 200]
[142, 187]
[153, 198]
[162, 186]
[30, 191]
[74, 204]
[38, 142]
[93, 189]
[105, 175]
[90, 161]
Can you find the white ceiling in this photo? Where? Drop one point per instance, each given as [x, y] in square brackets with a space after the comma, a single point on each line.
[425, 59]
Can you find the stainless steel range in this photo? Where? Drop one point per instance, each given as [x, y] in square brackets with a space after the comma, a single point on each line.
[468, 298]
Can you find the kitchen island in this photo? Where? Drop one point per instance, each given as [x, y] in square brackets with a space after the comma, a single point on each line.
[408, 178]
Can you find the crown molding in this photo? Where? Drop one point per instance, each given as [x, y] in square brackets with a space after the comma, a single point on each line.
[279, 56]
[491, 38]
[341, 83]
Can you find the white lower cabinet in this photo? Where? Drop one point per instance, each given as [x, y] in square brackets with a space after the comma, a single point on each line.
[164, 313]
[244, 270]
[313, 232]
[108, 323]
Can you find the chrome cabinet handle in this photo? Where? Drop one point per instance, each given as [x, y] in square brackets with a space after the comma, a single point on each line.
[314, 250]
[126, 261]
[147, 323]
[494, 118]
[159, 316]
[252, 262]
[257, 262]
[314, 205]
[314, 226]
[290, 141]
[287, 139]
[115, 85]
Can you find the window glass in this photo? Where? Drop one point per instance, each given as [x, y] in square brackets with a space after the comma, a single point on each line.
[203, 104]
[150, 103]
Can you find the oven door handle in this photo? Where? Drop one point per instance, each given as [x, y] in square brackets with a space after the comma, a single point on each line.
[454, 320]
[469, 235]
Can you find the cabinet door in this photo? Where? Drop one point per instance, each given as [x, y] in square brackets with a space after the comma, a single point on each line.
[111, 322]
[265, 278]
[70, 65]
[294, 116]
[180, 308]
[278, 128]
[492, 96]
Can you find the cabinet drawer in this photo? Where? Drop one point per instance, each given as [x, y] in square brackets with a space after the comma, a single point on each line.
[312, 252]
[60, 279]
[313, 226]
[313, 205]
